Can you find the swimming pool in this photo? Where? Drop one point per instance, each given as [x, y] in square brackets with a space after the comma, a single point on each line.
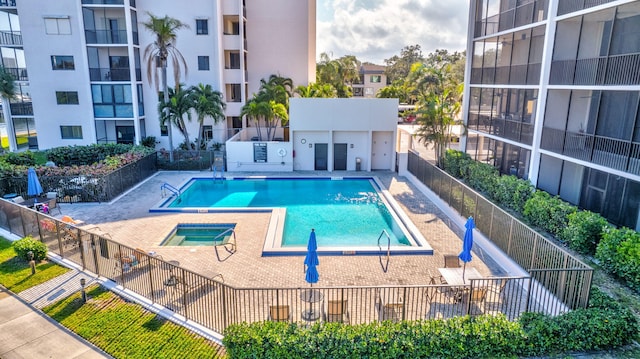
[346, 213]
[199, 234]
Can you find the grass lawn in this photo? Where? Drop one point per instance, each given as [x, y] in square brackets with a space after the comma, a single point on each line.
[15, 273]
[126, 330]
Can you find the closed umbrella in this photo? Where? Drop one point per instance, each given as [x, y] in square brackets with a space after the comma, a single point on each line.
[33, 184]
[467, 244]
[312, 251]
[311, 275]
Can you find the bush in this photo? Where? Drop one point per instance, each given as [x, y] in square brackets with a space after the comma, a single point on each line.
[512, 192]
[85, 155]
[29, 244]
[149, 141]
[548, 213]
[20, 158]
[584, 231]
[455, 163]
[619, 252]
[481, 177]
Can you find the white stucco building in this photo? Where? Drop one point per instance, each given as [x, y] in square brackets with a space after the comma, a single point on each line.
[325, 134]
[82, 76]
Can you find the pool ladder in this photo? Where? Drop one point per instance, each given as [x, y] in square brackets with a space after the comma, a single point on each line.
[385, 266]
[218, 174]
[167, 187]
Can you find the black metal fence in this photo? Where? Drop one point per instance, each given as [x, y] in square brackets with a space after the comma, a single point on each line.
[190, 160]
[561, 274]
[88, 188]
[215, 305]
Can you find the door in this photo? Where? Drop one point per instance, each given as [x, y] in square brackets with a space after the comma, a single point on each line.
[321, 156]
[114, 31]
[382, 151]
[339, 156]
[125, 134]
[119, 68]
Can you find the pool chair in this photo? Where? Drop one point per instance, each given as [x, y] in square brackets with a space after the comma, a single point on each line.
[337, 311]
[279, 313]
[451, 261]
[18, 199]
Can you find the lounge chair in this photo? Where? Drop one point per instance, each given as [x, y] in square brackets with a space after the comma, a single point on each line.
[477, 299]
[18, 199]
[337, 311]
[53, 204]
[279, 313]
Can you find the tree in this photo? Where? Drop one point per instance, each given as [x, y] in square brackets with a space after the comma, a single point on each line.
[173, 111]
[206, 103]
[277, 88]
[340, 73]
[256, 110]
[7, 92]
[317, 90]
[158, 52]
[438, 105]
[399, 67]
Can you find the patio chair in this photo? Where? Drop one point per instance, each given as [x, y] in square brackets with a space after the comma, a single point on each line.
[477, 298]
[451, 261]
[337, 311]
[279, 313]
[18, 199]
[52, 203]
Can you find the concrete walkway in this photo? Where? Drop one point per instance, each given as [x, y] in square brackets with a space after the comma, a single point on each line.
[26, 332]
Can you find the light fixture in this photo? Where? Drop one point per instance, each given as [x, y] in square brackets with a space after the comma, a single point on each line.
[303, 141]
[351, 145]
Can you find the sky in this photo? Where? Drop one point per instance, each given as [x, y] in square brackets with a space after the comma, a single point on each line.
[375, 30]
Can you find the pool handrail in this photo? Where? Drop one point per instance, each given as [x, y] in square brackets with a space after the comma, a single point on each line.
[170, 188]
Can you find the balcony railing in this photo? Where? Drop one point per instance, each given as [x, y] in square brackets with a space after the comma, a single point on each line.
[106, 36]
[22, 109]
[19, 73]
[613, 70]
[109, 74]
[11, 3]
[104, 2]
[567, 6]
[10, 38]
[610, 152]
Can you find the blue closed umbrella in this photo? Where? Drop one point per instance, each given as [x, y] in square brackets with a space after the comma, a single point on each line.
[312, 251]
[467, 244]
[33, 184]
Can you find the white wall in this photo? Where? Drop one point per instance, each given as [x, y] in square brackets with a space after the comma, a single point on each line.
[240, 157]
[44, 81]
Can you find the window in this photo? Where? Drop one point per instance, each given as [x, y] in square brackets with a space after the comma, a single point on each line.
[57, 25]
[203, 63]
[67, 97]
[164, 130]
[207, 133]
[376, 78]
[62, 62]
[71, 132]
[202, 27]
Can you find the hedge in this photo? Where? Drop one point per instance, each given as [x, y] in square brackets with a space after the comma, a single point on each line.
[605, 324]
[619, 253]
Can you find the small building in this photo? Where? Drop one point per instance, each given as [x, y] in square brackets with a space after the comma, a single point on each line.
[325, 134]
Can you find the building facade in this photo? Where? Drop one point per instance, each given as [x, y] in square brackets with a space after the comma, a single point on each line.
[372, 79]
[552, 94]
[87, 76]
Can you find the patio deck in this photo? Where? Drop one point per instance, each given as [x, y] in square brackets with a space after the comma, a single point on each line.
[128, 221]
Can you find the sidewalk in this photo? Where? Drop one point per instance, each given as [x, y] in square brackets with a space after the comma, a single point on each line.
[26, 332]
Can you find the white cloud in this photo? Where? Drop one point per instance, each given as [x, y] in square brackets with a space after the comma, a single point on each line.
[377, 30]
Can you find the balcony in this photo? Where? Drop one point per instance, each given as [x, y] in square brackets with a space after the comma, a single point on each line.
[612, 70]
[110, 74]
[19, 73]
[567, 6]
[609, 152]
[106, 36]
[21, 109]
[104, 2]
[11, 38]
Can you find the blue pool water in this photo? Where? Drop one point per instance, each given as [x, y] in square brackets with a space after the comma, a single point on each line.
[345, 212]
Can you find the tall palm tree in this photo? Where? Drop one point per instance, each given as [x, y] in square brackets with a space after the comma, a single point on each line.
[174, 110]
[257, 111]
[7, 92]
[159, 51]
[277, 88]
[316, 90]
[207, 103]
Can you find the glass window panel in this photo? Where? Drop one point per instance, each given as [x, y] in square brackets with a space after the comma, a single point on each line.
[96, 93]
[103, 111]
[595, 34]
[124, 111]
[626, 30]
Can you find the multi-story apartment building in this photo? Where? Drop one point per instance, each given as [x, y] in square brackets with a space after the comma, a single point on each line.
[87, 77]
[552, 95]
[372, 79]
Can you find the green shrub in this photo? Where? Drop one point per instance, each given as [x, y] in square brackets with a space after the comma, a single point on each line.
[619, 252]
[25, 158]
[548, 213]
[149, 141]
[455, 163]
[85, 155]
[512, 192]
[481, 177]
[29, 244]
[584, 231]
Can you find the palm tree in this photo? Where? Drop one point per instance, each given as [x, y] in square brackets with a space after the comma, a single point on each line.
[277, 88]
[207, 103]
[7, 92]
[173, 111]
[256, 110]
[316, 90]
[158, 52]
